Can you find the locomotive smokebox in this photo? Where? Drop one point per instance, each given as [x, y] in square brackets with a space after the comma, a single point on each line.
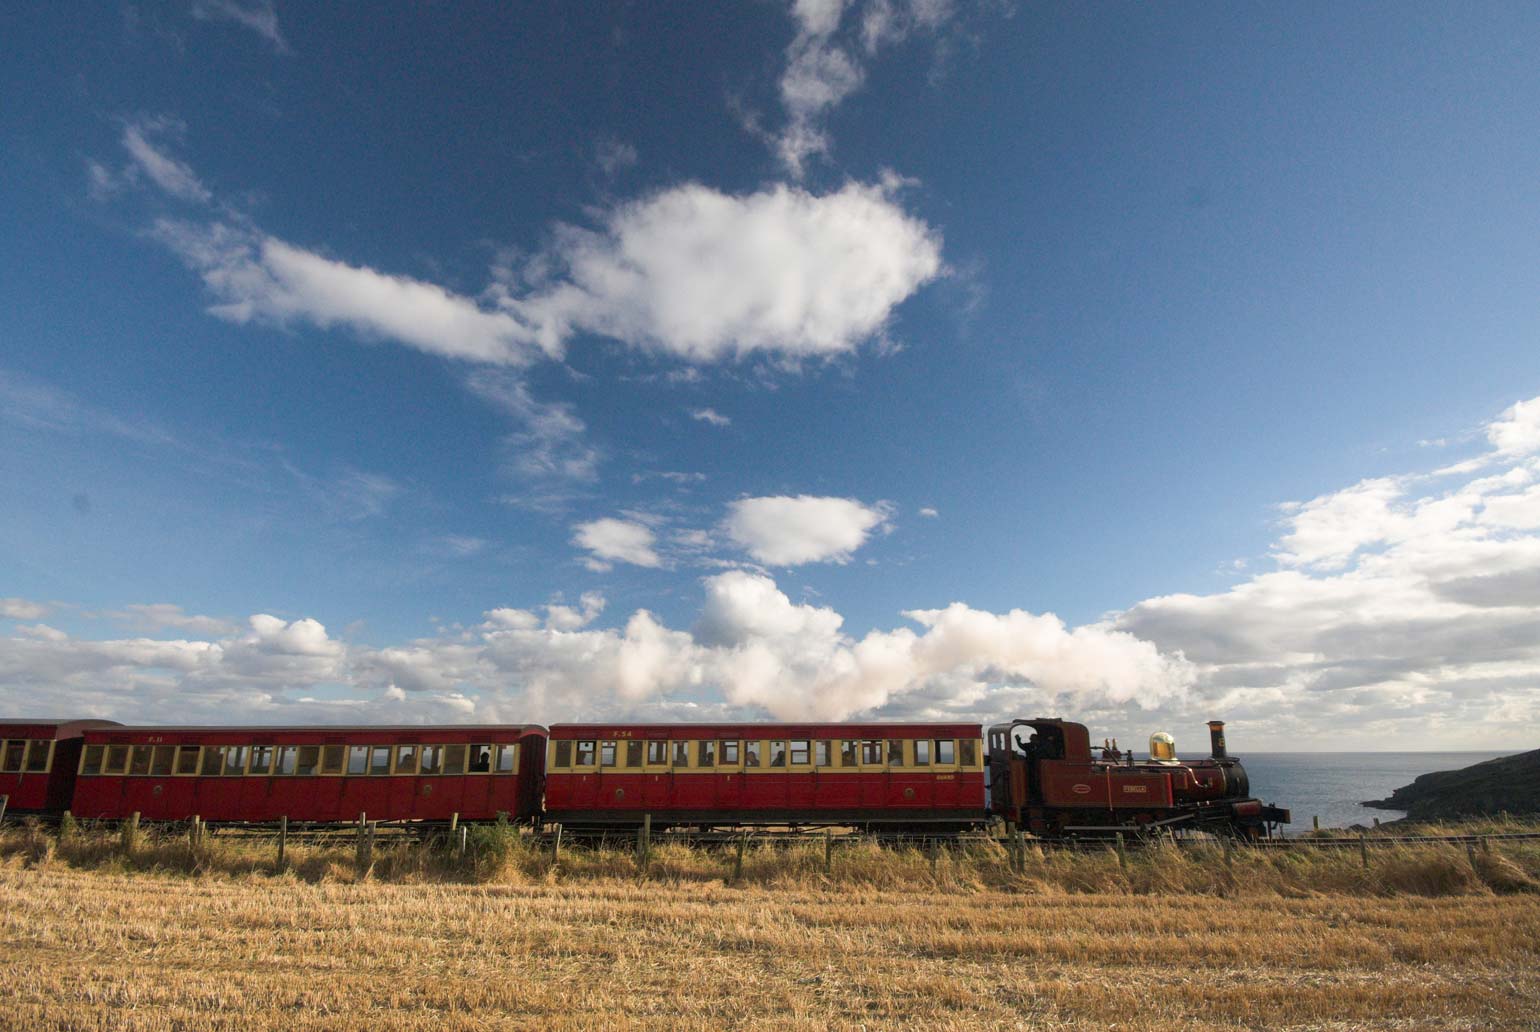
[1216, 737]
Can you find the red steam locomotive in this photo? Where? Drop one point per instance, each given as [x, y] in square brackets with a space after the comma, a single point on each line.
[1039, 775]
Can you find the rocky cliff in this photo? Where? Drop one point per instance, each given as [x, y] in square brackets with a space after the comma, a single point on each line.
[1508, 784]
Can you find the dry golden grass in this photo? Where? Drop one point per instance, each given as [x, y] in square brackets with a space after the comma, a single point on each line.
[1430, 938]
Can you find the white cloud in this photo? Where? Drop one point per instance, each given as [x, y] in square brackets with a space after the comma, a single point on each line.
[168, 173]
[786, 531]
[710, 415]
[614, 155]
[551, 446]
[929, 513]
[258, 278]
[256, 15]
[1517, 430]
[160, 615]
[704, 276]
[609, 540]
[22, 609]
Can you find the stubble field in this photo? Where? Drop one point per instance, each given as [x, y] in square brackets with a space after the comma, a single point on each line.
[97, 941]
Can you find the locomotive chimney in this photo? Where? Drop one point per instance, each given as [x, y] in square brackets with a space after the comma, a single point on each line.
[1216, 737]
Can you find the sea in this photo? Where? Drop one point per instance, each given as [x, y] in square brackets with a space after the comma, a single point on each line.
[1333, 786]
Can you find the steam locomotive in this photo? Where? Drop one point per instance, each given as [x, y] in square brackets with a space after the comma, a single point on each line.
[1039, 775]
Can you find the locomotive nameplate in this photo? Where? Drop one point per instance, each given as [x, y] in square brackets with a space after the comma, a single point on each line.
[1081, 789]
[1136, 788]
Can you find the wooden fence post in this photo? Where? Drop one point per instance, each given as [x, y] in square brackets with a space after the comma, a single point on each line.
[743, 843]
[1363, 849]
[1316, 820]
[194, 833]
[935, 855]
[1021, 852]
[1229, 845]
[556, 846]
[828, 851]
[363, 854]
[465, 841]
[1122, 853]
[4, 801]
[131, 832]
[454, 825]
[644, 841]
[283, 839]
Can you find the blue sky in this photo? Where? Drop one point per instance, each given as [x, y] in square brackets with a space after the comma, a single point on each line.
[894, 357]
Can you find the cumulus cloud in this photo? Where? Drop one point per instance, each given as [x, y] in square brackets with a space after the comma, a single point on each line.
[753, 650]
[22, 609]
[610, 541]
[700, 275]
[257, 16]
[786, 531]
[157, 616]
[1403, 607]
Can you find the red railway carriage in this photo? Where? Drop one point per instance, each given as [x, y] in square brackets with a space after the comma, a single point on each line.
[311, 773]
[799, 774]
[38, 760]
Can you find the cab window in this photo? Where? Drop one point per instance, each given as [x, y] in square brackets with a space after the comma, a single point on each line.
[506, 758]
[657, 752]
[139, 760]
[563, 754]
[481, 759]
[681, 754]
[307, 760]
[379, 759]
[432, 759]
[117, 759]
[187, 759]
[37, 755]
[283, 763]
[895, 752]
[261, 759]
[801, 752]
[160, 760]
[91, 761]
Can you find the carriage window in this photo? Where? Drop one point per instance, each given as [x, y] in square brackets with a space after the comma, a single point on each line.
[235, 759]
[800, 751]
[139, 760]
[481, 759]
[751, 754]
[633, 753]
[117, 759]
[585, 754]
[895, 752]
[406, 759]
[187, 759]
[777, 754]
[946, 751]
[13, 751]
[871, 752]
[730, 753]
[825, 753]
[358, 759]
[507, 758]
[454, 759]
[922, 753]
[657, 752]
[331, 758]
[563, 754]
[848, 754]
[261, 759]
[681, 754]
[285, 762]
[91, 762]
[968, 752]
[160, 762]
[708, 754]
[379, 759]
[213, 759]
[432, 759]
[37, 756]
[307, 760]
[606, 754]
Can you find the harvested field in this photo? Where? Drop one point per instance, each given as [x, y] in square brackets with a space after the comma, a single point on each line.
[98, 940]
